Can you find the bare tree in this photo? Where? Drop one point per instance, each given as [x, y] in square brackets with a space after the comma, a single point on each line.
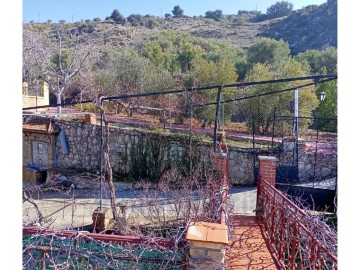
[33, 68]
[62, 58]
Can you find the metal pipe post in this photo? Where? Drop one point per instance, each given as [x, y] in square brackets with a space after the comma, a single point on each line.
[296, 113]
[217, 116]
[101, 149]
[273, 131]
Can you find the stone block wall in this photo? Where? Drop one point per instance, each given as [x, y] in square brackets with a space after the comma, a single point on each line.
[84, 149]
[314, 161]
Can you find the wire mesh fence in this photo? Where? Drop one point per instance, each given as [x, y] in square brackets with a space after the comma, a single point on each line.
[305, 148]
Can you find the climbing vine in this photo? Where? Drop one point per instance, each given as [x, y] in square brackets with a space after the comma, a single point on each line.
[151, 155]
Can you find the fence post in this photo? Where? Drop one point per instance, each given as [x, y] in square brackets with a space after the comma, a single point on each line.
[267, 172]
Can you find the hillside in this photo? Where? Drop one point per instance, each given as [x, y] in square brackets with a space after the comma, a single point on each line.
[313, 27]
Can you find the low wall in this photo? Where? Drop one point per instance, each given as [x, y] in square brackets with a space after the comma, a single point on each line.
[84, 150]
[138, 153]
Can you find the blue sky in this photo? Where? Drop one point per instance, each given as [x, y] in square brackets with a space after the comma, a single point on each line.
[75, 10]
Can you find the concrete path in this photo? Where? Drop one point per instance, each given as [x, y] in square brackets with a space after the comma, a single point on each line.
[75, 208]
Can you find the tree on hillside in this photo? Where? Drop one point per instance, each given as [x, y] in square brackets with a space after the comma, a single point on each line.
[177, 11]
[216, 15]
[279, 9]
[260, 109]
[212, 73]
[318, 60]
[117, 17]
[241, 64]
[328, 107]
[187, 54]
[268, 51]
[135, 20]
[127, 72]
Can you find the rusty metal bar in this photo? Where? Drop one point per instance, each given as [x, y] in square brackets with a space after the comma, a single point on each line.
[217, 116]
[105, 237]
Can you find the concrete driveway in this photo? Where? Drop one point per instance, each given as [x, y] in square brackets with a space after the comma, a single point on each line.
[62, 210]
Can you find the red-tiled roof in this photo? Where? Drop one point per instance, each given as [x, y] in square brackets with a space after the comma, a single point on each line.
[41, 125]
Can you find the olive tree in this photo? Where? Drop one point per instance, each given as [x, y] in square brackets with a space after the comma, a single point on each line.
[127, 72]
[327, 110]
[205, 73]
[217, 15]
[318, 60]
[268, 51]
[258, 111]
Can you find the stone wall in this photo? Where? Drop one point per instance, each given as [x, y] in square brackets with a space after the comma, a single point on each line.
[84, 145]
[314, 161]
[241, 166]
[84, 148]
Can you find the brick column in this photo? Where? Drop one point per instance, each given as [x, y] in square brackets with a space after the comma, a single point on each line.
[267, 169]
[101, 219]
[267, 172]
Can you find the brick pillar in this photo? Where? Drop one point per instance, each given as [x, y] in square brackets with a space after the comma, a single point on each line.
[101, 219]
[267, 172]
[267, 169]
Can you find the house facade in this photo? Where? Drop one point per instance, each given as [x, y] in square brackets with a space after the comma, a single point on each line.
[34, 96]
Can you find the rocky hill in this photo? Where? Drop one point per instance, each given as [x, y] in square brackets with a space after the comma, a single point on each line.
[313, 27]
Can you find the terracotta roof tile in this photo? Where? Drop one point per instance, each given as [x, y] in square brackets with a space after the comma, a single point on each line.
[41, 125]
[207, 232]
